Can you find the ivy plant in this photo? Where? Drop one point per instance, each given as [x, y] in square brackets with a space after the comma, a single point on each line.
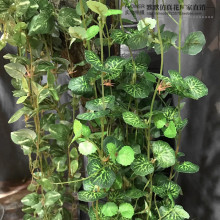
[101, 142]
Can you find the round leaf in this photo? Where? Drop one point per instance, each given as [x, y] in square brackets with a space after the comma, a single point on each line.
[125, 156]
[97, 7]
[86, 148]
[126, 210]
[187, 167]
[109, 209]
[170, 131]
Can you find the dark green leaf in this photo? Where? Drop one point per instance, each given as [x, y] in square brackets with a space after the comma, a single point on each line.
[134, 194]
[17, 115]
[87, 196]
[138, 40]
[94, 60]
[133, 120]
[119, 36]
[30, 199]
[59, 131]
[51, 198]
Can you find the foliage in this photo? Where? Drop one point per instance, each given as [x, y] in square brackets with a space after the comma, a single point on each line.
[117, 114]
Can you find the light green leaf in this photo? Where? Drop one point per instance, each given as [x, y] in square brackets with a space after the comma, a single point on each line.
[30, 199]
[80, 9]
[125, 156]
[109, 209]
[170, 131]
[112, 149]
[86, 132]
[18, 114]
[74, 153]
[197, 88]
[175, 213]
[21, 99]
[163, 153]
[187, 167]
[126, 210]
[133, 120]
[119, 36]
[21, 7]
[94, 60]
[194, 43]
[92, 32]
[67, 17]
[15, 70]
[74, 166]
[78, 32]
[80, 86]
[113, 12]
[23, 137]
[97, 7]
[77, 129]
[97, 104]
[146, 22]
[159, 120]
[140, 90]
[46, 184]
[93, 115]
[51, 198]
[86, 148]
[142, 166]
[60, 163]
[87, 196]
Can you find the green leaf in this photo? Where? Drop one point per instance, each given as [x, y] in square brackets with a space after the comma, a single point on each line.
[59, 132]
[126, 210]
[86, 132]
[166, 188]
[74, 166]
[104, 179]
[21, 7]
[114, 66]
[175, 213]
[74, 153]
[21, 100]
[30, 199]
[135, 194]
[194, 43]
[113, 12]
[142, 166]
[77, 129]
[197, 88]
[125, 156]
[51, 198]
[92, 32]
[94, 60]
[46, 184]
[109, 209]
[42, 23]
[112, 149]
[60, 163]
[15, 70]
[159, 120]
[150, 77]
[67, 17]
[133, 120]
[138, 40]
[93, 115]
[112, 140]
[23, 137]
[136, 90]
[94, 166]
[146, 22]
[97, 7]
[18, 114]
[170, 131]
[78, 32]
[119, 36]
[97, 104]
[80, 86]
[187, 167]
[87, 196]
[163, 153]
[86, 148]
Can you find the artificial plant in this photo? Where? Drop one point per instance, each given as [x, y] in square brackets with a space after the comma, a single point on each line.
[112, 118]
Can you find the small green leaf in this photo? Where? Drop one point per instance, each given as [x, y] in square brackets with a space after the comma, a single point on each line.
[187, 167]
[87, 196]
[164, 154]
[138, 40]
[23, 137]
[18, 114]
[109, 209]
[113, 12]
[135, 193]
[93, 115]
[86, 148]
[78, 32]
[170, 131]
[74, 153]
[142, 166]
[74, 166]
[30, 199]
[15, 70]
[80, 9]
[51, 198]
[194, 43]
[80, 86]
[97, 7]
[46, 184]
[146, 22]
[133, 120]
[92, 32]
[140, 90]
[77, 129]
[175, 213]
[112, 149]
[86, 132]
[126, 210]
[21, 100]
[159, 120]
[119, 36]
[125, 156]
[94, 60]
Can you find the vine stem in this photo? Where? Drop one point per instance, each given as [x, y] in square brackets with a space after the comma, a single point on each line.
[152, 106]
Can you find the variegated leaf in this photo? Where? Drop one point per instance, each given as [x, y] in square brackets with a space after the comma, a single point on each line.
[93, 115]
[136, 90]
[88, 196]
[133, 120]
